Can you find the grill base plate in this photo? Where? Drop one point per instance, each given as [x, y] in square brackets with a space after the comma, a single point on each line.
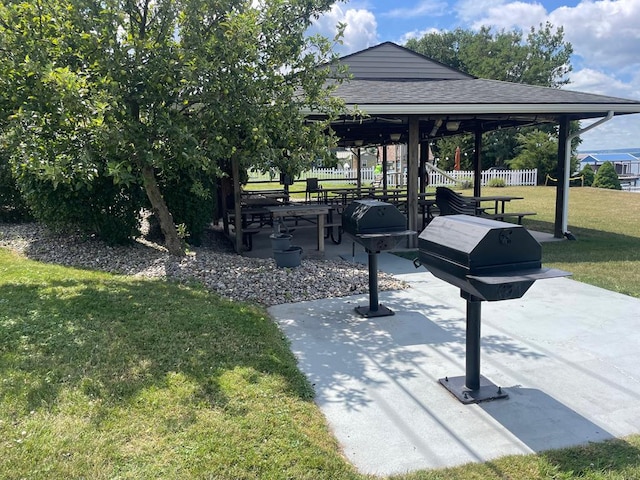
[488, 390]
[367, 312]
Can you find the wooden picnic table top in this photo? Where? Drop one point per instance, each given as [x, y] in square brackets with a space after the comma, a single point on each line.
[494, 198]
[298, 210]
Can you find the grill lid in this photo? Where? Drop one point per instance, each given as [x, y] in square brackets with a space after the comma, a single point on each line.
[488, 259]
[372, 216]
[480, 244]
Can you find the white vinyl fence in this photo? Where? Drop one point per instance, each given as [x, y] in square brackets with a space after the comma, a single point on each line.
[510, 177]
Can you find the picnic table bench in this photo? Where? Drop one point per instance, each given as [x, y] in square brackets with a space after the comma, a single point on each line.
[452, 203]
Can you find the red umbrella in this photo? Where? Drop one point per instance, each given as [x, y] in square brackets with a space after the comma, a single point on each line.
[457, 159]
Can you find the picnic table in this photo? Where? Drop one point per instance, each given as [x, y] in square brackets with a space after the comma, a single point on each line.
[280, 212]
[261, 198]
[499, 201]
[452, 203]
[342, 196]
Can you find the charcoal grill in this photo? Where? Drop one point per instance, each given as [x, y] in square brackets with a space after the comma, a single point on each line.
[489, 261]
[377, 226]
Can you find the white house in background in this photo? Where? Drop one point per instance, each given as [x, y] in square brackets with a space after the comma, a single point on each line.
[348, 157]
[624, 163]
[627, 166]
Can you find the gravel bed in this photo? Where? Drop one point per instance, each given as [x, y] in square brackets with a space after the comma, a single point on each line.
[215, 265]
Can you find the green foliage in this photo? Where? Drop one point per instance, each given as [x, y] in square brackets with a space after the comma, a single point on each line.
[588, 174]
[538, 149]
[497, 183]
[106, 210]
[606, 177]
[192, 203]
[154, 88]
[12, 206]
[541, 58]
[445, 150]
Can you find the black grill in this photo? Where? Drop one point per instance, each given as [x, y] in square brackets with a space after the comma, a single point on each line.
[372, 216]
[377, 226]
[487, 260]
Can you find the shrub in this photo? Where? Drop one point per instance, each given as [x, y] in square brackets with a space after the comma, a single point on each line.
[497, 182]
[606, 177]
[588, 174]
[192, 203]
[104, 209]
[12, 206]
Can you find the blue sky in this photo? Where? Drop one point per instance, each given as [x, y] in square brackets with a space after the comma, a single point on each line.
[605, 36]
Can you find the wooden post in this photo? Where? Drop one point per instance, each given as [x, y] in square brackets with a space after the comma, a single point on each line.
[413, 159]
[422, 171]
[358, 172]
[385, 170]
[477, 161]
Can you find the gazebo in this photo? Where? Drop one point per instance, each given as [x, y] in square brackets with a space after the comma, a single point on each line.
[412, 99]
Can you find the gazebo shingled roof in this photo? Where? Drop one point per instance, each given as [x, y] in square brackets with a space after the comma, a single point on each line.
[404, 92]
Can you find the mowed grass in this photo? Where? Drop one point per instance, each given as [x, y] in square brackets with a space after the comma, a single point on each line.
[606, 224]
[108, 377]
[105, 377]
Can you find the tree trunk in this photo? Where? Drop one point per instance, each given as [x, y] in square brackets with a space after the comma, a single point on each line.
[174, 244]
[235, 171]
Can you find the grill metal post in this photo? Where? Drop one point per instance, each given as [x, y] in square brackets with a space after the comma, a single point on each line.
[472, 387]
[373, 281]
[375, 309]
[472, 380]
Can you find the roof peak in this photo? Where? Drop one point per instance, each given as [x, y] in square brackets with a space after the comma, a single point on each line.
[388, 60]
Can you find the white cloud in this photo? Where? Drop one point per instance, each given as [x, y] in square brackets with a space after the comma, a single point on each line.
[421, 9]
[619, 132]
[502, 15]
[415, 34]
[361, 31]
[594, 81]
[604, 32]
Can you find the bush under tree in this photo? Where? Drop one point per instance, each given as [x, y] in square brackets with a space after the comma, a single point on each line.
[12, 206]
[606, 177]
[588, 174]
[106, 210]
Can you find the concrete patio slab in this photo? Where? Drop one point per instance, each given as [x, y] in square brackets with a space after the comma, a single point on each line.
[566, 353]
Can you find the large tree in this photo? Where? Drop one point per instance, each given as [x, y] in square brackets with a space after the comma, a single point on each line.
[542, 57]
[145, 90]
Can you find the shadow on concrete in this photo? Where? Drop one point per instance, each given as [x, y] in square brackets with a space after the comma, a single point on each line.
[541, 422]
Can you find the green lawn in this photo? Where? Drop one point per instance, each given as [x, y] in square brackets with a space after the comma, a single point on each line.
[606, 224]
[106, 377]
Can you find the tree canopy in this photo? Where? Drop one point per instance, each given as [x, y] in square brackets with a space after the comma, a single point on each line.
[542, 58]
[146, 92]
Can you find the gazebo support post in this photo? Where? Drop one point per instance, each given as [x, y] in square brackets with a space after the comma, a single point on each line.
[422, 171]
[477, 161]
[413, 159]
[563, 133]
[358, 171]
[385, 169]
